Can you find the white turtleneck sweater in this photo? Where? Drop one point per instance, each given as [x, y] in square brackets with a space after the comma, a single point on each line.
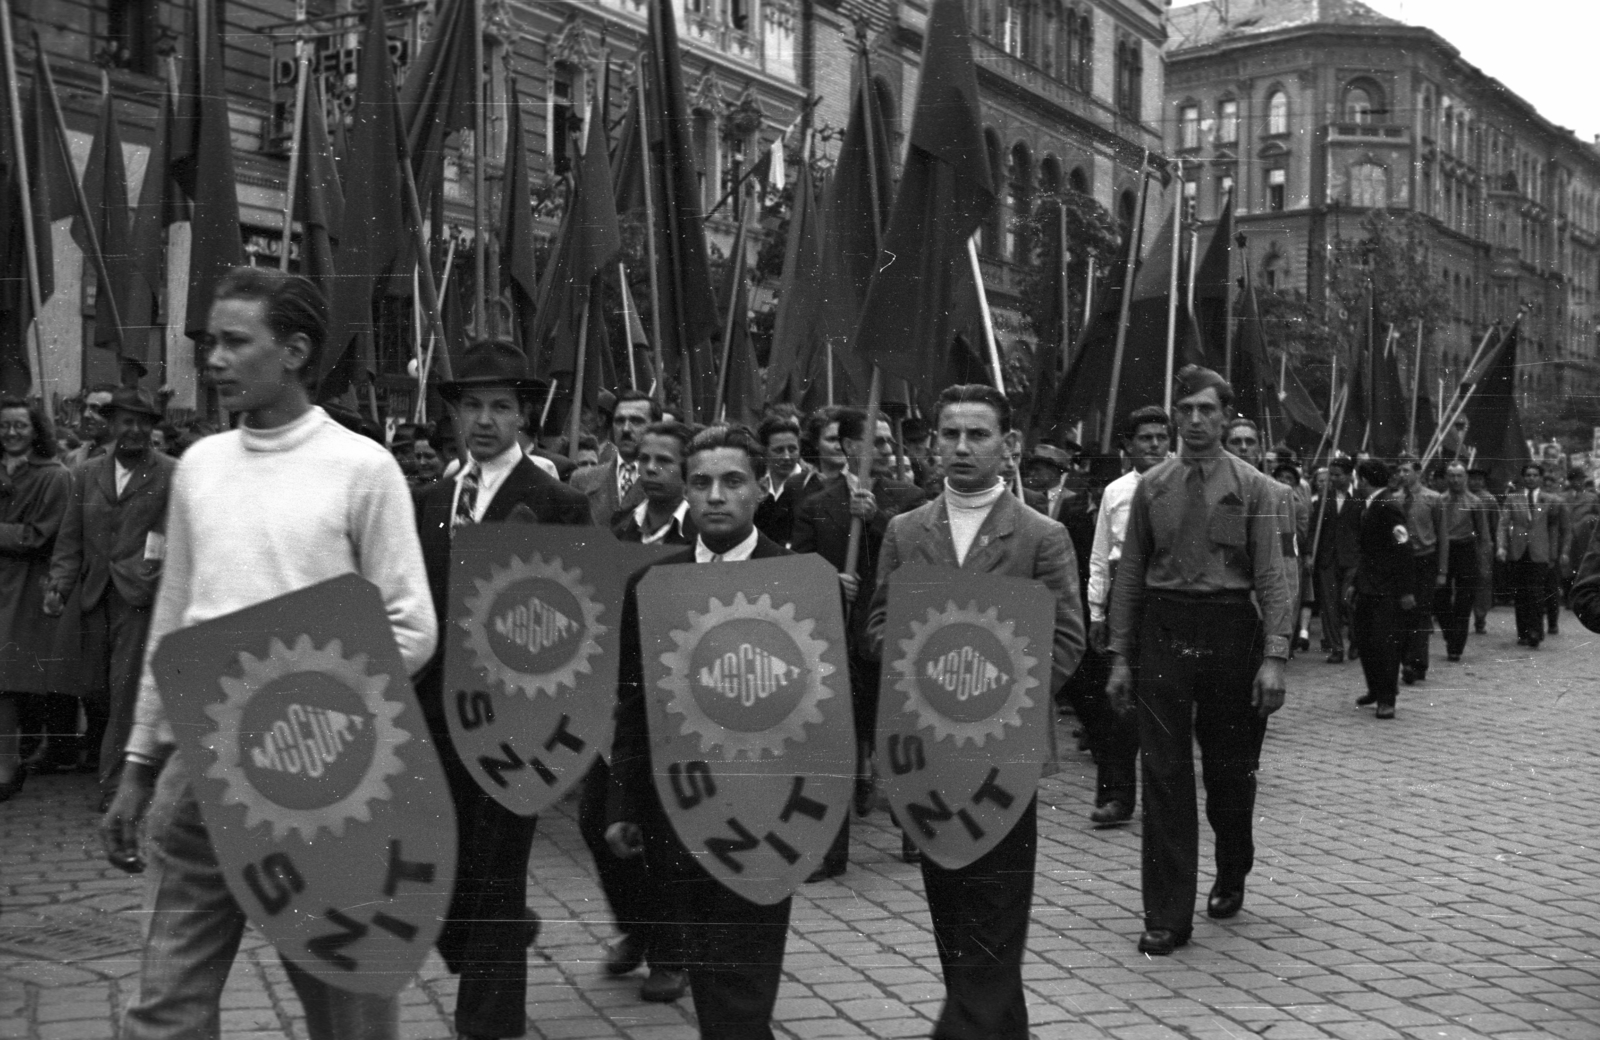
[967, 513]
[256, 514]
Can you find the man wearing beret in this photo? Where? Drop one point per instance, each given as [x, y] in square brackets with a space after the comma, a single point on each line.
[107, 564]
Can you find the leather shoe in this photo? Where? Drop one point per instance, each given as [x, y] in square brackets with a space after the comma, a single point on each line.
[1159, 942]
[1555, 629]
[13, 787]
[626, 954]
[1407, 676]
[1453, 657]
[1336, 657]
[1111, 814]
[1385, 711]
[1366, 699]
[1225, 900]
[664, 986]
[1480, 629]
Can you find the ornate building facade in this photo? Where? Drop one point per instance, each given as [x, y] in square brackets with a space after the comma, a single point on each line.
[1316, 112]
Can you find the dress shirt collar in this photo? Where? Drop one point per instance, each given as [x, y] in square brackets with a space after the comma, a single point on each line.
[641, 514]
[491, 474]
[737, 554]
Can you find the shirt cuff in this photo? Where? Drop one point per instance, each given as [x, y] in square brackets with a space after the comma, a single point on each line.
[1277, 646]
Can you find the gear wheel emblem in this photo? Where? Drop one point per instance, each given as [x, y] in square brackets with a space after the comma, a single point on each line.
[966, 674]
[306, 739]
[533, 626]
[746, 677]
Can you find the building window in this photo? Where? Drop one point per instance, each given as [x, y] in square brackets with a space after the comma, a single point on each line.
[707, 160]
[1191, 199]
[561, 122]
[1228, 121]
[1130, 78]
[1361, 104]
[1078, 181]
[1189, 126]
[1078, 50]
[739, 14]
[1369, 186]
[1020, 189]
[1011, 30]
[1277, 189]
[131, 28]
[1278, 113]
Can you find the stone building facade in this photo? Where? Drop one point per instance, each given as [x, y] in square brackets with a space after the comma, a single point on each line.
[1315, 112]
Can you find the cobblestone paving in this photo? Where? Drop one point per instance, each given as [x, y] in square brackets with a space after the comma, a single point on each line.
[1435, 878]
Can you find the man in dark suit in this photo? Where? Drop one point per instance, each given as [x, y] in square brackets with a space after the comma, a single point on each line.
[613, 485]
[822, 525]
[1384, 590]
[790, 480]
[489, 925]
[980, 912]
[639, 903]
[1532, 538]
[1335, 531]
[734, 948]
[109, 553]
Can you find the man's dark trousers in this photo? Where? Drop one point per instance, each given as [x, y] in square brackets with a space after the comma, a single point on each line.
[1332, 580]
[114, 633]
[1419, 622]
[1527, 577]
[1452, 601]
[1197, 661]
[980, 924]
[1381, 629]
[1113, 738]
[632, 894]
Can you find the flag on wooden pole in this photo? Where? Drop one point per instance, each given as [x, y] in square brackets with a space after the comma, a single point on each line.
[105, 193]
[517, 273]
[160, 205]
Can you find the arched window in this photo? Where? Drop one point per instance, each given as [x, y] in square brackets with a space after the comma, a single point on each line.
[1363, 102]
[1078, 181]
[1369, 185]
[1127, 210]
[1277, 112]
[989, 239]
[1050, 175]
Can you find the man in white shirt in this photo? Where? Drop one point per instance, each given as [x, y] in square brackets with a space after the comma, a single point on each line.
[1113, 738]
[287, 500]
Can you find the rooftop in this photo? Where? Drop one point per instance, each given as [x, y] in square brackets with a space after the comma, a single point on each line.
[1216, 21]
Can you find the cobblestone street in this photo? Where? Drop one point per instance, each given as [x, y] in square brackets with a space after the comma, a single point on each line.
[1435, 877]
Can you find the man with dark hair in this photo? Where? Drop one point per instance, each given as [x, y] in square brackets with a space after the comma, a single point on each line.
[734, 947]
[1533, 537]
[1424, 509]
[1204, 546]
[1114, 737]
[981, 911]
[613, 485]
[822, 525]
[1336, 540]
[663, 517]
[109, 551]
[94, 426]
[789, 480]
[1468, 537]
[287, 500]
[1384, 590]
[488, 926]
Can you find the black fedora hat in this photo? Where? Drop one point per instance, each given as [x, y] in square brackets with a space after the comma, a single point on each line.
[138, 401]
[492, 362]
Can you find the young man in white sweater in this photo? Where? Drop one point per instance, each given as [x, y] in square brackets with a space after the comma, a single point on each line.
[287, 500]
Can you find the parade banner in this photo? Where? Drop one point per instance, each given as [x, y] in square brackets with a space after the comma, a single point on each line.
[530, 666]
[316, 777]
[965, 706]
[752, 741]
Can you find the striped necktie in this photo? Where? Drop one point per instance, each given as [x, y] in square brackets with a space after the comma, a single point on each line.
[467, 500]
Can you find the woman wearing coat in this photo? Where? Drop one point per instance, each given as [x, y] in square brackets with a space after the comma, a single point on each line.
[34, 489]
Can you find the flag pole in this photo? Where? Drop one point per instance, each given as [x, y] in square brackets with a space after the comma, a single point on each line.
[736, 274]
[995, 362]
[430, 290]
[30, 246]
[1447, 407]
[627, 324]
[1172, 286]
[575, 414]
[480, 133]
[1466, 398]
[96, 253]
[303, 77]
[1416, 392]
[650, 243]
[1135, 246]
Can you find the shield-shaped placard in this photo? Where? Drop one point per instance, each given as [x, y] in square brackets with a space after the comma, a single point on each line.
[751, 738]
[530, 666]
[964, 706]
[316, 777]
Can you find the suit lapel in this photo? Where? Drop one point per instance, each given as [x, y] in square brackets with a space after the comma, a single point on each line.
[994, 534]
[107, 479]
[138, 479]
[523, 478]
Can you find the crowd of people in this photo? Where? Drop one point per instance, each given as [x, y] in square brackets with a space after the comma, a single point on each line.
[1185, 569]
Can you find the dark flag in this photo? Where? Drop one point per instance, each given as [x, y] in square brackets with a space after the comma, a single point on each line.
[744, 392]
[945, 194]
[1206, 341]
[1354, 433]
[795, 331]
[375, 234]
[1390, 407]
[688, 319]
[318, 200]
[1495, 424]
[517, 271]
[160, 205]
[203, 143]
[105, 194]
[627, 170]
[1286, 398]
[439, 93]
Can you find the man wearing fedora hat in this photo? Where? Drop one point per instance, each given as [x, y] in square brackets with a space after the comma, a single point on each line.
[106, 564]
[488, 927]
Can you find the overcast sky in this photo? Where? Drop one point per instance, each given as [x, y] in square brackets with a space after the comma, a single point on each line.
[1544, 50]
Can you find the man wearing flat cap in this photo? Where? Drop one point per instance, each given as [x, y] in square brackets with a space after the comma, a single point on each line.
[1202, 549]
[106, 566]
[488, 927]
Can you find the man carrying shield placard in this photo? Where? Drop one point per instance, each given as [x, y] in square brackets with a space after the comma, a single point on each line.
[980, 911]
